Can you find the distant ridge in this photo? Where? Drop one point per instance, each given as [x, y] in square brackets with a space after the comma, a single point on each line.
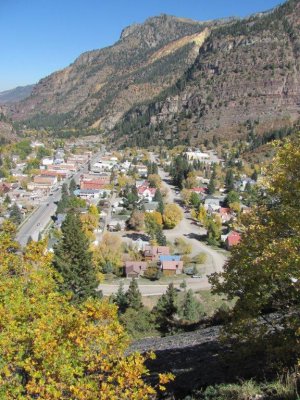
[17, 94]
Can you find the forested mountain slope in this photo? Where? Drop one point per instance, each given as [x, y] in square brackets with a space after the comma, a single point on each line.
[246, 75]
[101, 85]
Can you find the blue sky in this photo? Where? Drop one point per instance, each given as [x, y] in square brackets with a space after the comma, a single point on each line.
[37, 37]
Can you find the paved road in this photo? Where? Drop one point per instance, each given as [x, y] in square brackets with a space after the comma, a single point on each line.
[38, 221]
[155, 288]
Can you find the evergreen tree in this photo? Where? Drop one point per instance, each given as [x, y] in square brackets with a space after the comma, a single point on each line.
[160, 237]
[73, 261]
[166, 309]
[229, 180]
[15, 214]
[7, 199]
[120, 299]
[72, 187]
[254, 176]
[64, 189]
[211, 188]
[190, 307]
[29, 240]
[133, 296]
[158, 197]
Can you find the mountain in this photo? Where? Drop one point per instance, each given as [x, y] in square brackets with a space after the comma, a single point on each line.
[245, 81]
[15, 95]
[177, 80]
[101, 85]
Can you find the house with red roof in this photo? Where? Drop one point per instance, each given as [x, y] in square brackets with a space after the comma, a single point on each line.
[233, 239]
[199, 190]
[145, 192]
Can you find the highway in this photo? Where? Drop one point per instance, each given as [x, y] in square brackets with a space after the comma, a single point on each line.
[40, 218]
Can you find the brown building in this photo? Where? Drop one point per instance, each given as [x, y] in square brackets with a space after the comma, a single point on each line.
[172, 267]
[152, 253]
[134, 269]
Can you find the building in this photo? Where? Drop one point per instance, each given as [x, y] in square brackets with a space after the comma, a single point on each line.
[145, 192]
[142, 170]
[225, 214]
[151, 207]
[171, 267]
[197, 156]
[212, 203]
[47, 161]
[94, 182]
[152, 253]
[199, 190]
[233, 239]
[42, 182]
[88, 194]
[134, 269]
[163, 258]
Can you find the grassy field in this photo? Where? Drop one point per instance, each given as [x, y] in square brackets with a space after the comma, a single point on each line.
[210, 302]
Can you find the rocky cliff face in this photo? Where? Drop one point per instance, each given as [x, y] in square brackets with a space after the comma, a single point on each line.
[246, 74]
[101, 85]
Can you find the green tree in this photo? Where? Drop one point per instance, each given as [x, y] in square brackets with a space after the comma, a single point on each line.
[263, 273]
[73, 260]
[120, 299]
[195, 200]
[133, 296]
[213, 227]
[72, 186]
[160, 237]
[229, 180]
[211, 187]
[191, 308]
[138, 323]
[232, 197]
[15, 214]
[158, 197]
[65, 189]
[166, 310]
[7, 199]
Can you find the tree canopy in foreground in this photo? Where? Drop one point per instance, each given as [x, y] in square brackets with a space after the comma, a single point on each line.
[263, 273]
[52, 349]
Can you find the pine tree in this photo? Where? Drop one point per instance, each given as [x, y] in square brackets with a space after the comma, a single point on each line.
[7, 199]
[64, 189]
[160, 237]
[229, 180]
[15, 214]
[120, 299]
[190, 307]
[73, 261]
[133, 296]
[211, 188]
[29, 240]
[72, 187]
[166, 309]
[158, 197]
